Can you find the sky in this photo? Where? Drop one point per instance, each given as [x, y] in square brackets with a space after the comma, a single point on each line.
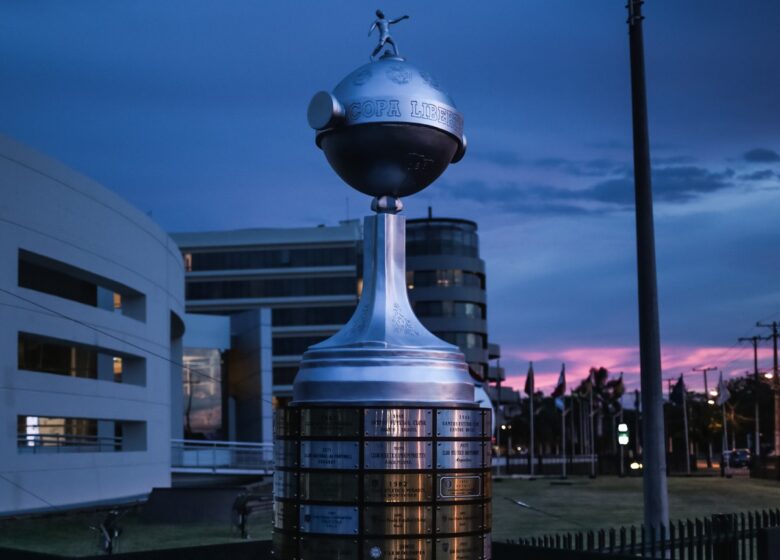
[195, 112]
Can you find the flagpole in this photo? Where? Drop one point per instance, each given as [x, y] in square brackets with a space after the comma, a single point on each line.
[685, 427]
[563, 438]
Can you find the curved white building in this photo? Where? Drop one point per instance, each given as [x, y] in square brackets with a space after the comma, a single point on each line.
[91, 300]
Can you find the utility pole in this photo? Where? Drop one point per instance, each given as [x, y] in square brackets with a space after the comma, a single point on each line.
[707, 400]
[754, 340]
[775, 382]
[656, 500]
[685, 427]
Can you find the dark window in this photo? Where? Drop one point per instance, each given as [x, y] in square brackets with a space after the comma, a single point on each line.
[444, 279]
[295, 345]
[292, 316]
[442, 239]
[463, 340]
[277, 287]
[39, 434]
[272, 258]
[449, 309]
[285, 375]
[60, 279]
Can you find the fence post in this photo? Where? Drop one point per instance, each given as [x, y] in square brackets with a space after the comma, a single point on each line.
[725, 545]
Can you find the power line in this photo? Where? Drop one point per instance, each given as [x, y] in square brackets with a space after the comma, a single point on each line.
[25, 490]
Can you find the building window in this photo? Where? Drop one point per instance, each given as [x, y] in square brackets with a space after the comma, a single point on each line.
[298, 316]
[285, 375]
[446, 278]
[270, 288]
[45, 434]
[61, 357]
[294, 345]
[60, 279]
[454, 238]
[465, 309]
[203, 395]
[464, 340]
[272, 258]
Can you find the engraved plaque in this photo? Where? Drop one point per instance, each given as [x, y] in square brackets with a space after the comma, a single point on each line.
[487, 451]
[285, 515]
[330, 422]
[398, 422]
[459, 487]
[460, 548]
[460, 455]
[329, 454]
[396, 487]
[488, 521]
[487, 425]
[393, 455]
[331, 520]
[323, 548]
[329, 487]
[285, 454]
[284, 546]
[459, 423]
[285, 484]
[461, 518]
[397, 520]
[286, 422]
[398, 549]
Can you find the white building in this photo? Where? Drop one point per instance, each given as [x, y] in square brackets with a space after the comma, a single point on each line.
[91, 300]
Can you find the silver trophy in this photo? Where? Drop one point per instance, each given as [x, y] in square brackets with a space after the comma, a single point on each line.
[383, 452]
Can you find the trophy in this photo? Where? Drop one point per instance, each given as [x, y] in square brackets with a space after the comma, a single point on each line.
[383, 452]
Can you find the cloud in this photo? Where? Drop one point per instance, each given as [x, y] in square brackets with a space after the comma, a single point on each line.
[761, 155]
[674, 184]
[763, 175]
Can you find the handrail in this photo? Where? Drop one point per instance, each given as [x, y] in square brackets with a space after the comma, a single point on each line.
[67, 441]
[221, 456]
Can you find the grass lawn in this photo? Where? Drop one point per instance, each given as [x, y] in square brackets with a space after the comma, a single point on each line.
[601, 503]
[610, 502]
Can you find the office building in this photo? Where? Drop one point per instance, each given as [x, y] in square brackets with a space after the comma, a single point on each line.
[91, 308]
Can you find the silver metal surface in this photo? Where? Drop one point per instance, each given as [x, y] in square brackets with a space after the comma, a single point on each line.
[397, 455]
[323, 548]
[344, 422]
[330, 455]
[382, 25]
[460, 454]
[398, 422]
[383, 354]
[330, 520]
[459, 423]
[285, 515]
[329, 487]
[398, 520]
[398, 549]
[459, 487]
[460, 518]
[285, 454]
[397, 487]
[285, 484]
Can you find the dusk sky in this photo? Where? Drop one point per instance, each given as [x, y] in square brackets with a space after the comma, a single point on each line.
[196, 113]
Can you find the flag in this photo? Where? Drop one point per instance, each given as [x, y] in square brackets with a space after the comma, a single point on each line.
[529, 380]
[560, 388]
[678, 392]
[723, 391]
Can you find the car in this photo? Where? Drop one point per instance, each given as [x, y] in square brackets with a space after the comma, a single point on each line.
[737, 458]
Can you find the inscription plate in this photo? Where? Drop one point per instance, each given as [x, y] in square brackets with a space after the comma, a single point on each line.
[463, 518]
[285, 484]
[396, 487]
[459, 423]
[397, 520]
[320, 548]
[487, 425]
[330, 422]
[460, 548]
[398, 422]
[286, 422]
[329, 487]
[398, 549]
[329, 454]
[285, 454]
[285, 515]
[332, 520]
[459, 487]
[394, 455]
[460, 454]
[488, 454]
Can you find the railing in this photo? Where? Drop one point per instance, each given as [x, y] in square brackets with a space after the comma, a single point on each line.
[721, 537]
[221, 457]
[66, 443]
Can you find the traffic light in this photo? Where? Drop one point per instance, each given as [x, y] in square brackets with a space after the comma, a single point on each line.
[623, 434]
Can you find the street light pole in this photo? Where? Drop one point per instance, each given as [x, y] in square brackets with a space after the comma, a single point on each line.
[775, 383]
[656, 503]
[754, 340]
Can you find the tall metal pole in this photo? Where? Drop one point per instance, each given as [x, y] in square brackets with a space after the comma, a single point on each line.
[531, 446]
[563, 438]
[656, 499]
[754, 340]
[622, 449]
[592, 433]
[775, 383]
[685, 427]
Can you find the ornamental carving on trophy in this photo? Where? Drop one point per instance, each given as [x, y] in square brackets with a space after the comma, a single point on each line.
[383, 452]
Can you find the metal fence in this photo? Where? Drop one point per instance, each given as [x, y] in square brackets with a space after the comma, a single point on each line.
[229, 457]
[66, 443]
[720, 537]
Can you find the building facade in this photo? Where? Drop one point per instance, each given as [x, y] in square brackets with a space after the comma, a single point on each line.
[91, 307]
[446, 283]
[308, 277]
